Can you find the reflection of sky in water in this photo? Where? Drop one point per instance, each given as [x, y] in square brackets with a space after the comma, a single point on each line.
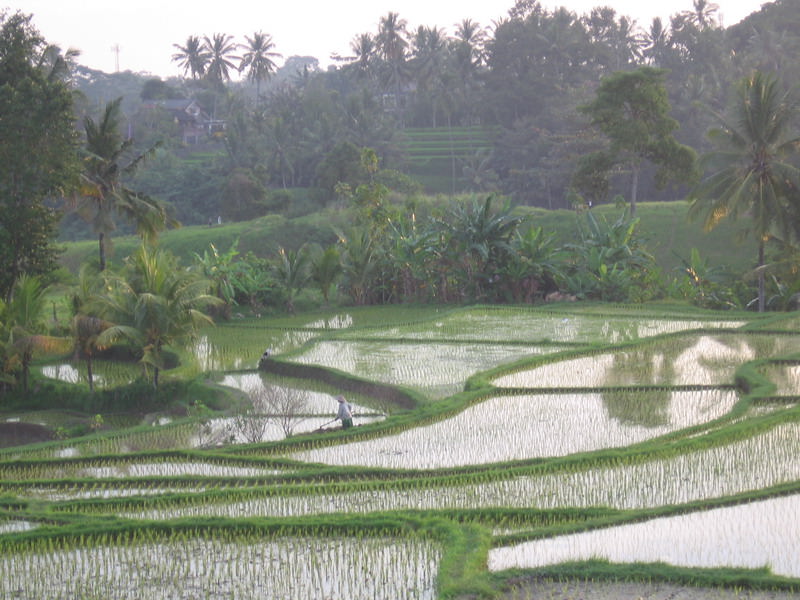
[230, 348]
[746, 536]
[334, 322]
[105, 373]
[63, 372]
[691, 360]
[315, 403]
[437, 369]
[785, 377]
[507, 325]
[223, 431]
[519, 427]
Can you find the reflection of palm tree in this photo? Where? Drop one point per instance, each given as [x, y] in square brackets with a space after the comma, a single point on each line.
[192, 57]
[753, 172]
[257, 59]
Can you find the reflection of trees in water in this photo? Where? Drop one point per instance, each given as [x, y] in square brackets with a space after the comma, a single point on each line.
[700, 359]
[620, 331]
[651, 364]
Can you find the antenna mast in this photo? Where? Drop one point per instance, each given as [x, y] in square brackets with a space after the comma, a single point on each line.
[115, 50]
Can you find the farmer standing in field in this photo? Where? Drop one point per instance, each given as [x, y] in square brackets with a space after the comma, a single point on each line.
[345, 413]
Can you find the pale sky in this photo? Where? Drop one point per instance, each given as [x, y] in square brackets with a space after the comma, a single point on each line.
[145, 30]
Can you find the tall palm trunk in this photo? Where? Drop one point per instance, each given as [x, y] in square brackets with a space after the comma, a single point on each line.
[761, 291]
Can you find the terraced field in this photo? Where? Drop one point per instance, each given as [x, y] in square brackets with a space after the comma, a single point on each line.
[497, 452]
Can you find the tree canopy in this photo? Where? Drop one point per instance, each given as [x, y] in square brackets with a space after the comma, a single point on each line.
[38, 158]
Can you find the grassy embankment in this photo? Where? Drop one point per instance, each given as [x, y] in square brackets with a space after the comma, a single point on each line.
[664, 226]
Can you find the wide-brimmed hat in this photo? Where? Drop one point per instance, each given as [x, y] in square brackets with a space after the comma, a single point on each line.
[340, 398]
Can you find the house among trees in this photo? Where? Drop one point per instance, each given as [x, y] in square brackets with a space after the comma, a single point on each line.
[194, 123]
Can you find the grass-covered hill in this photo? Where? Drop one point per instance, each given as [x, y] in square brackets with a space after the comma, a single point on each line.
[669, 236]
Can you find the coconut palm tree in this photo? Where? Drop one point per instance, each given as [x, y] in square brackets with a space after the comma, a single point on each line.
[656, 43]
[326, 266]
[363, 48]
[470, 38]
[24, 330]
[292, 271]
[392, 44]
[257, 59]
[153, 303]
[103, 194]
[702, 14]
[220, 48]
[192, 57]
[754, 172]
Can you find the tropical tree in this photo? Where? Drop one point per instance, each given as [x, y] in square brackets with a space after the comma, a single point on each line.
[532, 270]
[257, 59]
[153, 303]
[326, 267]
[631, 109]
[293, 272]
[103, 195]
[361, 257]
[220, 48]
[392, 44]
[192, 57]
[481, 240]
[702, 13]
[23, 320]
[85, 331]
[362, 58]
[754, 171]
[657, 44]
[38, 151]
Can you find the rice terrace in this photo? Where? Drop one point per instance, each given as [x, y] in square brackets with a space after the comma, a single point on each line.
[562, 451]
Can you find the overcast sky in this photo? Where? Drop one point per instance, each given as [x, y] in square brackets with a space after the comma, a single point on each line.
[144, 31]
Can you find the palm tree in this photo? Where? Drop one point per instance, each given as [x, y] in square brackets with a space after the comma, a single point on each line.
[192, 57]
[361, 254]
[57, 65]
[469, 47]
[363, 47]
[754, 172]
[85, 327]
[293, 273]
[103, 195]
[85, 332]
[22, 318]
[392, 44]
[257, 59]
[220, 48]
[152, 304]
[326, 266]
[657, 43]
[702, 14]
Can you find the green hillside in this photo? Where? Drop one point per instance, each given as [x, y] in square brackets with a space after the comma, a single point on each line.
[663, 224]
[436, 156]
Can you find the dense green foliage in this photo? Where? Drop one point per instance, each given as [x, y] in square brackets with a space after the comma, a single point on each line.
[468, 110]
[37, 153]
